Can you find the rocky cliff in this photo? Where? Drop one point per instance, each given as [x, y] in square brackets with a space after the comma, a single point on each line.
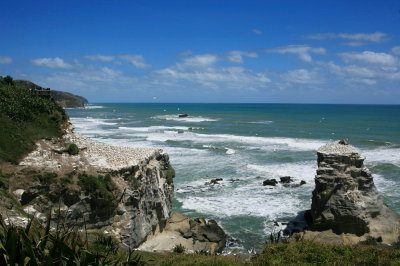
[346, 206]
[120, 191]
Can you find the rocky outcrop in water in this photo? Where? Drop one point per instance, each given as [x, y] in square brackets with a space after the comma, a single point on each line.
[346, 206]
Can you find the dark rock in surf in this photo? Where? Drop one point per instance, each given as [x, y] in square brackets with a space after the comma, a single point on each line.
[286, 179]
[270, 182]
[302, 182]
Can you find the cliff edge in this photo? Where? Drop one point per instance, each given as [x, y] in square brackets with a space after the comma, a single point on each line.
[120, 191]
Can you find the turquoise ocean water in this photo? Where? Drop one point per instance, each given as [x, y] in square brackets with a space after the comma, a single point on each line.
[249, 143]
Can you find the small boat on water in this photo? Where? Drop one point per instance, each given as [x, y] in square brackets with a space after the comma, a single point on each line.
[183, 115]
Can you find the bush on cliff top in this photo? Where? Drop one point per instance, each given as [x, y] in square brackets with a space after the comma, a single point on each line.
[25, 118]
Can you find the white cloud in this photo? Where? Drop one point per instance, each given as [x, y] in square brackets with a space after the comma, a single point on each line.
[201, 71]
[256, 31]
[369, 57]
[51, 62]
[369, 74]
[354, 44]
[237, 56]
[5, 60]
[302, 51]
[201, 60]
[136, 60]
[376, 37]
[302, 76]
[99, 57]
[396, 50]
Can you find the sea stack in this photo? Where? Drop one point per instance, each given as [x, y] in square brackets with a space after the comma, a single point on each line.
[346, 206]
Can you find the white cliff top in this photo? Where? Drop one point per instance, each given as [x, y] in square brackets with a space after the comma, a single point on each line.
[92, 155]
[337, 148]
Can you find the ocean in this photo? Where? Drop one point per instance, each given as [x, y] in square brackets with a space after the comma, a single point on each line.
[244, 144]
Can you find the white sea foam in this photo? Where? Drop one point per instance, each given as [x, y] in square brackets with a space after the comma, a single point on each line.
[194, 119]
[93, 106]
[261, 122]
[259, 201]
[299, 171]
[230, 151]
[153, 128]
[382, 155]
[91, 120]
[384, 185]
[270, 143]
[93, 126]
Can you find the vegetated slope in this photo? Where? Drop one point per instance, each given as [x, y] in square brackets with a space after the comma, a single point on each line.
[25, 118]
[65, 99]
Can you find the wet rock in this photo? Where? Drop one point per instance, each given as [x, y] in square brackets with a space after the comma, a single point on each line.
[213, 181]
[302, 182]
[183, 115]
[196, 235]
[286, 179]
[270, 182]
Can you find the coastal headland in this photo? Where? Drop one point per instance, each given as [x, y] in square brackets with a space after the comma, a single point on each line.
[126, 193]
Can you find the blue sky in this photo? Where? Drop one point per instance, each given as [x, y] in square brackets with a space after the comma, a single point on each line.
[322, 51]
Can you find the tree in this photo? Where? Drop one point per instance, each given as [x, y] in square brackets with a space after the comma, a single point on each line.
[8, 80]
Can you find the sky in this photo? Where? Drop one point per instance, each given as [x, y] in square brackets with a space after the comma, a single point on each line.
[325, 51]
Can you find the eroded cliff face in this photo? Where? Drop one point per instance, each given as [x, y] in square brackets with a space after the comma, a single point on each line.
[122, 191]
[346, 202]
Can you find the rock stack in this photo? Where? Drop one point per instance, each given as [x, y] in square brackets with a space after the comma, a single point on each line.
[346, 205]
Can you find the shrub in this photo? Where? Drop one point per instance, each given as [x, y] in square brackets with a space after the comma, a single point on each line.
[179, 249]
[46, 178]
[169, 174]
[72, 149]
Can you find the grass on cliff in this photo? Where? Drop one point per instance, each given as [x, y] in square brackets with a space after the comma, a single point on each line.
[298, 253]
[25, 118]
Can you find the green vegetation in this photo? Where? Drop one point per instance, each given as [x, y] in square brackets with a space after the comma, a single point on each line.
[34, 245]
[179, 249]
[100, 188]
[46, 178]
[25, 118]
[176, 259]
[311, 253]
[72, 149]
[169, 174]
